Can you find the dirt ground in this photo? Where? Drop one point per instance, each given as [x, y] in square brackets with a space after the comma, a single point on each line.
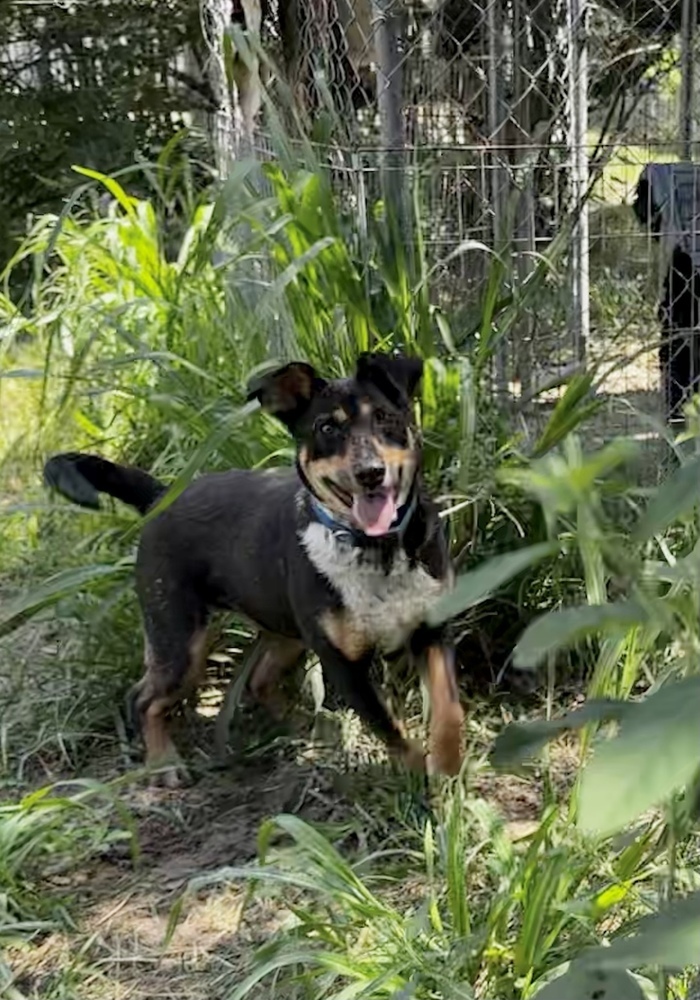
[121, 909]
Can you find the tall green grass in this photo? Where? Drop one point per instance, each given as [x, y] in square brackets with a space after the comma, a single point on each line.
[138, 343]
[139, 346]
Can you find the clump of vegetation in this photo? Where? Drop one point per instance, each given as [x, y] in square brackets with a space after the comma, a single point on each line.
[568, 908]
[140, 349]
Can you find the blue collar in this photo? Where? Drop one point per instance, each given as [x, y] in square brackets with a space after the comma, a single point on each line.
[349, 533]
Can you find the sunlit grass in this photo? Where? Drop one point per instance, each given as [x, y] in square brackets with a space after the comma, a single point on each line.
[618, 183]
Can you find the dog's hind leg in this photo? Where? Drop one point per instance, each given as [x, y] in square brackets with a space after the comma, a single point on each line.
[174, 665]
[278, 655]
[264, 665]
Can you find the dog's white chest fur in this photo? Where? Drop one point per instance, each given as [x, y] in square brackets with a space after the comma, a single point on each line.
[387, 606]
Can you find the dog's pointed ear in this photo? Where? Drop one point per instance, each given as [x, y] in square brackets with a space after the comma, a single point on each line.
[285, 392]
[396, 376]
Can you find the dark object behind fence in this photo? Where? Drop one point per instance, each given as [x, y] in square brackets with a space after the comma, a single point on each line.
[668, 204]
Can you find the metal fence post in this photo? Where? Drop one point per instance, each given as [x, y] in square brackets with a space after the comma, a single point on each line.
[688, 27]
[524, 235]
[577, 32]
[387, 30]
[497, 117]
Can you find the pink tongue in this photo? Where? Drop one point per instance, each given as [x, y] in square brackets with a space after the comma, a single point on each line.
[375, 513]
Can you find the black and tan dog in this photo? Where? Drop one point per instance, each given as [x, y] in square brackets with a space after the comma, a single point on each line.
[342, 555]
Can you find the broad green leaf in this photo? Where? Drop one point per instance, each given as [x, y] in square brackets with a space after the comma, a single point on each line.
[565, 424]
[479, 584]
[656, 752]
[298, 265]
[582, 983]
[321, 867]
[674, 497]
[454, 850]
[670, 939]
[444, 331]
[562, 629]
[521, 740]
[561, 480]
[274, 876]
[18, 611]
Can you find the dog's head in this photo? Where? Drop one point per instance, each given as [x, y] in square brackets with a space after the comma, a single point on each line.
[357, 448]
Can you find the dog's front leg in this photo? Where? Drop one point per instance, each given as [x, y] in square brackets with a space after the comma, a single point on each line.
[446, 714]
[346, 664]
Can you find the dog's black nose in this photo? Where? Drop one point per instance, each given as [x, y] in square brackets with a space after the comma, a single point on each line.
[370, 477]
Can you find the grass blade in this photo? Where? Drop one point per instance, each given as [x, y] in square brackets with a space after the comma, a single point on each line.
[479, 584]
[55, 589]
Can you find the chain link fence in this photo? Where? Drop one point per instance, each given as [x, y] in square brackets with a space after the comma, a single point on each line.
[524, 124]
[523, 120]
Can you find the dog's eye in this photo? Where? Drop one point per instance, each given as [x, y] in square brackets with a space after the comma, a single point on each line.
[327, 427]
[380, 416]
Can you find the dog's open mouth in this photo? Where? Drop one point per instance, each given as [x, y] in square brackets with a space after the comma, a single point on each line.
[373, 512]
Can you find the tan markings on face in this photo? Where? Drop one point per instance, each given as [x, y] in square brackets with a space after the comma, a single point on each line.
[446, 714]
[345, 633]
[318, 470]
[340, 415]
[395, 459]
[392, 455]
[365, 408]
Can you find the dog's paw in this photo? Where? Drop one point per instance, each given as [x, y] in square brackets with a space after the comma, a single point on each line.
[171, 775]
[174, 777]
[413, 756]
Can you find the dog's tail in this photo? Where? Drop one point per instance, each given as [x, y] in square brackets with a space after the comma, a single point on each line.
[81, 478]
